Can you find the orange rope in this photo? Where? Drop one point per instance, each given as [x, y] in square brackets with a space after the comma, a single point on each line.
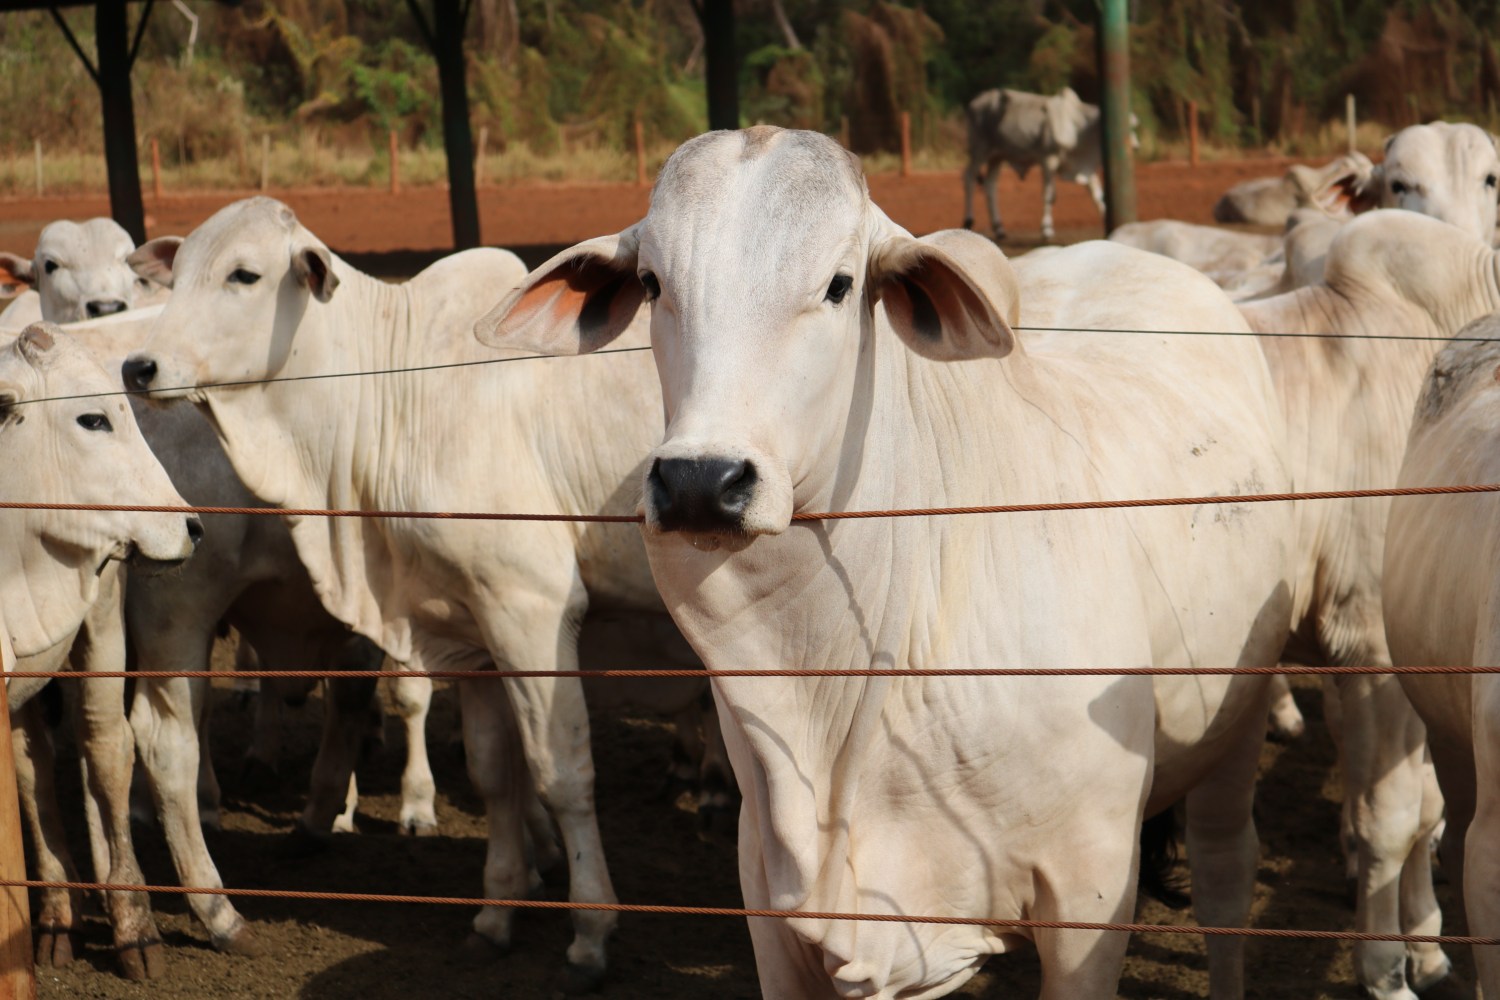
[735, 911]
[1016, 508]
[774, 672]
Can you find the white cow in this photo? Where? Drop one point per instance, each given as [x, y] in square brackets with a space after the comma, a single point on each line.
[808, 352]
[79, 271]
[65, 441]
[1270, 201]
[255, 295]
[1348, 405]
[1059, 131]
[1441, 606]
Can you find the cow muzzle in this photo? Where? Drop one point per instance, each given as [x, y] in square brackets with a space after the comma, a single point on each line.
[701, 494]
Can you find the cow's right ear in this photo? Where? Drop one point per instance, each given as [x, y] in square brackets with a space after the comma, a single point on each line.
[951, 296]
[154, 259]
[1345, 188]
[16, 275]
[575, 303]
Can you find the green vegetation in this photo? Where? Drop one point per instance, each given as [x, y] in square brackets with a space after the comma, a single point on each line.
[557, 84]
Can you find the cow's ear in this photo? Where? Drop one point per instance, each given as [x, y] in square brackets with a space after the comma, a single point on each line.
[575, 303]
[313, 266]
[16, 275]
[1346, 187]
[153, 259]
[951, 296]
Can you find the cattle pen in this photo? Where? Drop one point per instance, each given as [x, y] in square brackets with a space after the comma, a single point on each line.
[647, 908]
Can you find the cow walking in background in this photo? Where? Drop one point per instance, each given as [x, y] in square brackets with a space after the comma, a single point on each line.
[1060, 132]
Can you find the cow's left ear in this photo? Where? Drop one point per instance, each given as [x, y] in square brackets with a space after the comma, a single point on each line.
[153, 260]
[575, 303]
[16, 275]
[951, 296]
[313, 266]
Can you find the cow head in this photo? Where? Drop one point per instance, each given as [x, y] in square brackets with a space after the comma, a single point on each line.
[766, 265]
[79, 270]
[1450, 172]
[68, 436]
[241, 283]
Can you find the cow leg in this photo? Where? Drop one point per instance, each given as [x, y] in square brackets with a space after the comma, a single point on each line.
[1383, 781]
[1096, 191]
[1420, 913]
[261, 762]
[971, 177]
[167, 740]
[1223, 851]
[57, 922]
[345, 720]
[546, 852]
[1285, 720]
[992, 198]
[344, 821]
[493, 752]
[525, 632]
[210, 796]
[718, 794]
[1049, 195]
[413, 698]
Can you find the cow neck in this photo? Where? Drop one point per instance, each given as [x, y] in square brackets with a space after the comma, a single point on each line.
[854, 594]
[335, 443]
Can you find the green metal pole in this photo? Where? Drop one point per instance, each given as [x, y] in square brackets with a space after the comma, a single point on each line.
[1114, 73]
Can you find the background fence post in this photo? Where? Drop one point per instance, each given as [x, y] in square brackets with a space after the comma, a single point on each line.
[395, 165]
[265, 162]
[37, 146]
[155, 168]
[484, 140]
[906, 144]
[640, 153]
[17, 977]
[1193, 133]
[1114, 72]
[1349, 119]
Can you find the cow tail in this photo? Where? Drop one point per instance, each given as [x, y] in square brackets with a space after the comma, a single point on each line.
[1158, 878]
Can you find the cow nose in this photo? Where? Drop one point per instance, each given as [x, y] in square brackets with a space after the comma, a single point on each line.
[195, 531]
[139, 373]
[104, 307]
[701, 494]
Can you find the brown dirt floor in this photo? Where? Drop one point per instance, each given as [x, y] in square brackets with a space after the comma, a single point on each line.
[395, 952]
[371, 220]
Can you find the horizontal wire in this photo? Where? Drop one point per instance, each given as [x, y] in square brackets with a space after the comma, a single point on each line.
[629, 350]
[735, 911]
[664, 673]
[325, 375]
[1014, 508]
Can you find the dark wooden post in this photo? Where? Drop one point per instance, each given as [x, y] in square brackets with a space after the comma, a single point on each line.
[458, 141]
[1114, 72]
[721, 68]
[113, 38]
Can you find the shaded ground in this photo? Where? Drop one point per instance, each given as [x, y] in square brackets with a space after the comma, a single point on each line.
[390, 952]
[373, 221]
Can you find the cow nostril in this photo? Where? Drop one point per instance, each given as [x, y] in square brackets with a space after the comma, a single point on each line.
[139, 373]
[701, 493]
[195, 531]
[104, 307]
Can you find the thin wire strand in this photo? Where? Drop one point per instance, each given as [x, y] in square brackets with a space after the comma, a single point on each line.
[1015, 508]
[653, 673]
[1258, 333]
[735, 911]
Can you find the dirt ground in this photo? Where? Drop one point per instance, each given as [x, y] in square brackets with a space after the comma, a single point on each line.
[373, 221]
[386, 951]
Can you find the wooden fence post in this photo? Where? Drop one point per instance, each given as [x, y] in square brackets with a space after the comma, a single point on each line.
[155, 168]
[17, 977]
[265, 162]
[905, 144]
[395, 165]
[1349, 119]
[844, 131]
[640, 153]
[1193, 133]
[38, 149]
[484, 140]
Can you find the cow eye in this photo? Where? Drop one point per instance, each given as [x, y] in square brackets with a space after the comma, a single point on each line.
[1399, 188]
[49, 266]
[653, 287]
[240, 276]
[95, 422]
[1489, 181]
[839, 287]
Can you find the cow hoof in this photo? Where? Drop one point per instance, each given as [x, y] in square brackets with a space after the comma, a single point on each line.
[142, 960]
[413, 827]
[480, 950]
[57, 946]
[241, 941]
[969, 222]
[303, 843]
[999, 235]
[577, 979]
[345, 824]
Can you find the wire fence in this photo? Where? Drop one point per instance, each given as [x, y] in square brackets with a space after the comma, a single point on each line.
[805, 517]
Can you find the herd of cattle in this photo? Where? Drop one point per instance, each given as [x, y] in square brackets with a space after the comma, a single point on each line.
[808, 355]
